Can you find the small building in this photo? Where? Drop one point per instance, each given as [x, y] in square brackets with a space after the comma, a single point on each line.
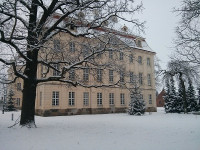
[160, 100]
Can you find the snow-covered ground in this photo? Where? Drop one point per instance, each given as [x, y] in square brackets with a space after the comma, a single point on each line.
[156, 131]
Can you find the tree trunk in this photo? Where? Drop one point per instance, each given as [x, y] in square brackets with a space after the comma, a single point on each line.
[28, 104]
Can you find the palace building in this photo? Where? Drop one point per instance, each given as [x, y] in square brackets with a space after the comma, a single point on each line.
[101, 89]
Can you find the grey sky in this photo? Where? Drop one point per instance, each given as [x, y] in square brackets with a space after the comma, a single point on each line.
[160, 26]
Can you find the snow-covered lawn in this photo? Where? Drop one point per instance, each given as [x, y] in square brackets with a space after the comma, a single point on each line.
[156, 131]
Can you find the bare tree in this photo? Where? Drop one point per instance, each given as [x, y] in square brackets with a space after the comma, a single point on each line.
[188, 32]
[28, 29]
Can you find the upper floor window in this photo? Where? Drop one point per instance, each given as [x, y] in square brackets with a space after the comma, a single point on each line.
[150, 99]
[131, 58]
[72, 46]
[55, 71]
[55, 98]
[110, 75]
[99, 75]
[57, 45]
[86, 74]
[121, 56]
[121, 75]
[72, 74]
[111, 54]
[19, 86]
[140, 59]
[131, 77]
[148, 62]
[149, 79]
[140, 78]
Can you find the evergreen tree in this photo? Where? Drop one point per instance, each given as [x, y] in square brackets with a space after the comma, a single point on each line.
[172, 96]
[198, 97]
[10, 104]
[191, 99]
[167, 105]
[136, 105]
[180, 99]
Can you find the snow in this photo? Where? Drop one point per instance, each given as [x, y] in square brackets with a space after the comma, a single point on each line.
[155, 131]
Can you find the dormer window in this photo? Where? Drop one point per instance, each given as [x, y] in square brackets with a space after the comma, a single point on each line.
[57, 45]
[139, 43]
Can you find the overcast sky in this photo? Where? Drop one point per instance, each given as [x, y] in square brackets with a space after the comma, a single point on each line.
[160, 26]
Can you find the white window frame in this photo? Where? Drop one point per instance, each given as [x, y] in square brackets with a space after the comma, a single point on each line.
[111, 98]
[85, 98]
[122, 98]
[99, 98]
[72, 74]
[111, 76]
[71, 98]
[55, 98]
[150, 99]
[86, 74]
[18, 101]
[99, 75]
[149, 79]
[55, 72]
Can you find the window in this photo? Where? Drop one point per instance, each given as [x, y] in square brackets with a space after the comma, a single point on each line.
[150, 99]
[111, 54]
[72, 74]
[148, 62]
[85, 74]
[122, 98]
[99, 75]
[18, 101]
[40, 98]
[57, 67]
[85, 50]
[140, 59]
[99, 98]
[110, 75]
[131, 77]
[121, 76]
[71, 46]
[131, 58]
[19, 87]
[111, 98]
[149, 79]
[57, 45]
[71, 98]
[121, 56]
[140, 78]
[139, 43]
[55, 98]
[86, 98]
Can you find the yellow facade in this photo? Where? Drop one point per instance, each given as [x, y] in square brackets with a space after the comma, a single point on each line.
[56, 98]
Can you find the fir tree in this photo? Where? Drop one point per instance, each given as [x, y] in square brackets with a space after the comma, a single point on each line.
[173, 96]
[191, 99]
[167, 105]
[10, 104]
[136, 105]
[198, 97]
[180, 99]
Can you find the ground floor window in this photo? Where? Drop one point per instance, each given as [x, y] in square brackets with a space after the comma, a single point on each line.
[122, 98]
[86, 98]
[111, 98]
[18, 101]
[71, 98]
[99, 98]
[55, 98]
[150, 99]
